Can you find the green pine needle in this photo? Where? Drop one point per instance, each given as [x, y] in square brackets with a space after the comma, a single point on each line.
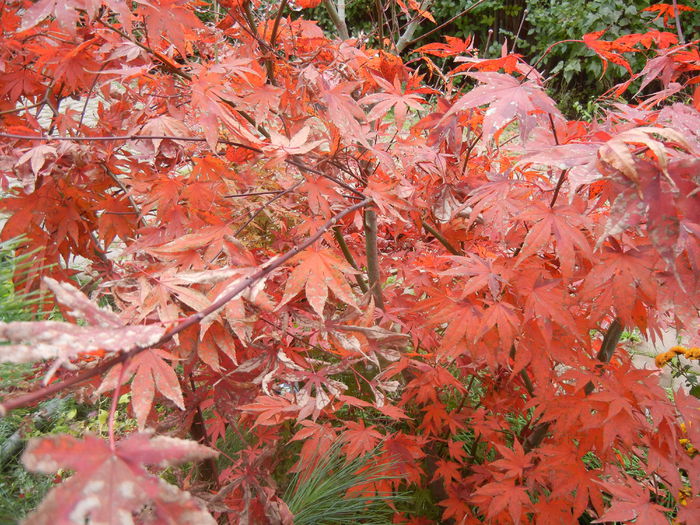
[320, 497]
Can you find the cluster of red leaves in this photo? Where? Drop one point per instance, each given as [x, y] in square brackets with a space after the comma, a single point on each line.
[508, 242]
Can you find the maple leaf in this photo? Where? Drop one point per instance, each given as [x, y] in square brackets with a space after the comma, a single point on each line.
[281, 147]
[608, 51]
[448, 471]
[359, 439]
[343, 111]
[453, 46]
[320, 382]
[515, 462]
[393, 97]
[165, 125]
[668, 11]
[463, 320]
[149, 371]
[502, 495]
[480, 273]
[562, 222]
[271, 410]
[65, 12]
[632, 503]
[318, 271]
[620, 276]
[505, 318]
[110, 486]
[507, 98]
[617, 154]
[63, 341]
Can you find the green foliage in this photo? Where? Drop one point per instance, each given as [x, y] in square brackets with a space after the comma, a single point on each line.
[551, 22]
[324, 495]
[20, 491]
[577, 74]
[15, 306]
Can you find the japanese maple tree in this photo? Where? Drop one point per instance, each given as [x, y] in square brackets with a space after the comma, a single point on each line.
[317, 240]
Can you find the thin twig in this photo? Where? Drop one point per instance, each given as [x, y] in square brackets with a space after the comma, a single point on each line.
[265, 205]
[119, 183]
[440, 237]
[124, 138]
[23, 108]
[252, 194]
[89, 94]
[193, 319]
[293, 161]
[520, 28]
[563, 173]
[681, 39]
[348, 257]
[438, 28]
[276, 25]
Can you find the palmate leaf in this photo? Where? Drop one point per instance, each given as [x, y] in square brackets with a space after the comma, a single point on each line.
[110, 487]
[507, 98]
[318, 272]
[36, 340]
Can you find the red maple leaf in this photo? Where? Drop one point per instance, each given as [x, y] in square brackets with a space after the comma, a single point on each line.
[111, 485]
[319, 271]
[668, 11]
[608, 51]
[631, 502]
[359, 439]
[508, 98]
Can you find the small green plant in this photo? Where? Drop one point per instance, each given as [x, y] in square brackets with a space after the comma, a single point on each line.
[325, 494]
[14, 305]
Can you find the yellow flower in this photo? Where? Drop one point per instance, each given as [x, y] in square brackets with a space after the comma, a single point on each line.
[689, 353]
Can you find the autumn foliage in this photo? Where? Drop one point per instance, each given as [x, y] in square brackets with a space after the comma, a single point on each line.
[306, 241]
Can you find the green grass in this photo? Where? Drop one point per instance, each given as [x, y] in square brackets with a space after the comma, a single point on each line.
[321, 496]
[21, 491]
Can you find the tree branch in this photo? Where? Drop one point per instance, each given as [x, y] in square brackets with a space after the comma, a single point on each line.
[373, 274]
[348, 257]
[438, 28]
[407, 36]
[293, 161]
[440, 237]
[336, 18]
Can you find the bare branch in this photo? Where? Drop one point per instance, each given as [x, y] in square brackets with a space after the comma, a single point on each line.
[407, 35]
[438, 28]
[336, 18]
[373, 273]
